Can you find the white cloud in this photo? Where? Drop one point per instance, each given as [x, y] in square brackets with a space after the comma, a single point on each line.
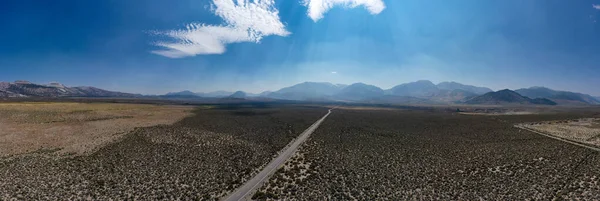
[596, 6]
[245, 21]
[316, 8]
[333, 72]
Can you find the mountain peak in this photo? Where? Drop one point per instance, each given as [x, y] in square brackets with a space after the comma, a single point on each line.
[424, 82]
[238, 94]
[22, 82]
[506, 91]
[360, 91]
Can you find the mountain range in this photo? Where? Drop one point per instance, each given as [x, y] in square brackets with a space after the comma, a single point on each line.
[28, 89]
[418, 92]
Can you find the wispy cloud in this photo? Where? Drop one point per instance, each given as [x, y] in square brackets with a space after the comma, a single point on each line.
[333, 72]
[245, 21]
[596, 6]
[317, 8]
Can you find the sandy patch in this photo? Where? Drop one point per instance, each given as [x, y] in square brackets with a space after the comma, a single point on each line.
[78, 128]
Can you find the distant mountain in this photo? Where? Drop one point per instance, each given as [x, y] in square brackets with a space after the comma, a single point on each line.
[507, 96]
[562, 97]
[307, 91]
[264, 94]
[445, 92]
[4, 93]
[96, 92]
[215, 94]
[469, 88]
[421, 88]
[452, 96]
[238, 94]
[28, 89]
[182, 93]
[391, 99]
[190, 94]
[359, 91]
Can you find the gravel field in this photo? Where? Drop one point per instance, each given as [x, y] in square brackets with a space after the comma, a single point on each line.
[200, 157]
[400, 155]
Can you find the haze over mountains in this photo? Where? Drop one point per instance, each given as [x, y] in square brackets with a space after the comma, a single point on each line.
[418, 92]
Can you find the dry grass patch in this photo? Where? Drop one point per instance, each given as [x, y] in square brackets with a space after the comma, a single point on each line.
[78, 128]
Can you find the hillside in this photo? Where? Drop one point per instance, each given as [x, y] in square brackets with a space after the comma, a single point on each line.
[507, 96]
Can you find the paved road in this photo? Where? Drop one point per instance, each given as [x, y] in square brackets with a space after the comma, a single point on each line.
[245, 191]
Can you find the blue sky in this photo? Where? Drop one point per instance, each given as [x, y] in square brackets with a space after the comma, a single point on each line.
[156, 46]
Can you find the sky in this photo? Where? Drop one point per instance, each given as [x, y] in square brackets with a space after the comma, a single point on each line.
[157, 46]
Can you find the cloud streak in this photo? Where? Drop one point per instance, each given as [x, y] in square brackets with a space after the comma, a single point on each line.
[245, 21]
[317, 8]
[596, 6]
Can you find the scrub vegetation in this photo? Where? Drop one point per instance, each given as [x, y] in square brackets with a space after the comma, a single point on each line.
[404, 154]
[203, 156]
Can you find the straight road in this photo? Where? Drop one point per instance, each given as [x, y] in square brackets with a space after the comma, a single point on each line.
[246, 190]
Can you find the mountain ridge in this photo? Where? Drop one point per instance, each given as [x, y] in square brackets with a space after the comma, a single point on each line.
[565, 97]
[507, 96]
[22, 88]
[419, 92]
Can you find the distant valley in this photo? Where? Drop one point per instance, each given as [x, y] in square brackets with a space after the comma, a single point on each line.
[418, 92]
